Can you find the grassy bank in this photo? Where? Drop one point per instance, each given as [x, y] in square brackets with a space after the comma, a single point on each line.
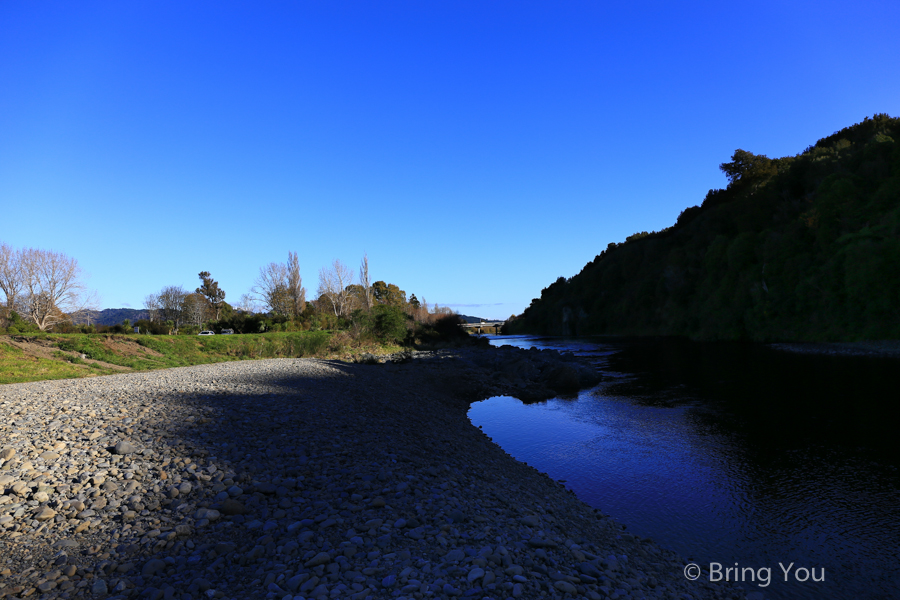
[63, 356]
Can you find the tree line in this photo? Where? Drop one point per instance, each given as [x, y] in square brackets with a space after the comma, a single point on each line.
[45, 291]
[277, 301]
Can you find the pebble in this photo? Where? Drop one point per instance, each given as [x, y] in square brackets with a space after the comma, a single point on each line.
[302, 478]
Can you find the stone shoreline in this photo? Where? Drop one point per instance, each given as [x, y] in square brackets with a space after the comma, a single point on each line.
[302, 478]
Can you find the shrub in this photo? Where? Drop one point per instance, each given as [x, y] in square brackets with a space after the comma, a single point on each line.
[339, 341]
[449, 328]
[389, 323]
[19, 325]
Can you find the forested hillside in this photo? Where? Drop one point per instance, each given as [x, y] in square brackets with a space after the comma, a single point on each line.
[110, 316]
[797, 248]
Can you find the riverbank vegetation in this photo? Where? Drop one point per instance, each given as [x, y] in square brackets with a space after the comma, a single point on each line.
[359, 312]
[347, 319]
[800, 248]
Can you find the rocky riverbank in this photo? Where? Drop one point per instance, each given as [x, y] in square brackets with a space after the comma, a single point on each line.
[300, 478]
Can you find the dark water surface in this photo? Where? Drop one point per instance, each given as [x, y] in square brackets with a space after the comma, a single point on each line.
[730, 453]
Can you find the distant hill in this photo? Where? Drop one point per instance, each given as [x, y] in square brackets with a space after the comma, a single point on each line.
[469, 319]
[111, 316]
[800, 248]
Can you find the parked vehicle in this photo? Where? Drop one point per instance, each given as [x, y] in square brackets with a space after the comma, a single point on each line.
[228, 332]
[207, 333]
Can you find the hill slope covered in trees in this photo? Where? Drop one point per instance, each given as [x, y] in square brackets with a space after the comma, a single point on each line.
[797, 248]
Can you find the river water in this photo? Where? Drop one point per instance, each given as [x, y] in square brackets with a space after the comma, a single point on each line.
[729, 453]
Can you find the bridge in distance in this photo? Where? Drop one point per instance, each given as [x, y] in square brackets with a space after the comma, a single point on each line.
[484, 325]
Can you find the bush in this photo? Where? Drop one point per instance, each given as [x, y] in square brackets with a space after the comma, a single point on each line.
[389, 323]
[449, 328]
[19, 325]
[152, 327]
[339, 341]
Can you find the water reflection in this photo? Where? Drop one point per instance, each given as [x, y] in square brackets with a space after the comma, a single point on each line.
[729, 453]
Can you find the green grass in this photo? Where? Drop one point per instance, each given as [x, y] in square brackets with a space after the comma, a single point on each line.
[145, 352]
[192, 350]
[18, 367]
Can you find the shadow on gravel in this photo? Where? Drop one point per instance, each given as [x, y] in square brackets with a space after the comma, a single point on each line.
[264, 453]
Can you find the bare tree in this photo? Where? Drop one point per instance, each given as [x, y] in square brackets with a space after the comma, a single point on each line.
[296, 291]
[195, 309]
[249, 303]
[52, 286]
[10, 277]
[280, 287]
[151, 305]
[271, 288]
[171, 304]
[364, 282]
[333, 283]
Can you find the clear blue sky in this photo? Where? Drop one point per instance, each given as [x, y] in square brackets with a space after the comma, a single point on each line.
[476, 150]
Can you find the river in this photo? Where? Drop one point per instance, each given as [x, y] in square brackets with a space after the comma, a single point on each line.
[729, 454]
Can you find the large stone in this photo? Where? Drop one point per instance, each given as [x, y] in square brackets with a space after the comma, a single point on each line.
[455, 555]
[589, 570]
[45, 514]
[230, 506]
[7, 453]
[564, 378]
[124, 448]
[225, 547]
[475, 574]
[207, 513]
[202, 584]
[152, 567]
[267, 488]
[294, 582]
[531, 521]
[319, 559]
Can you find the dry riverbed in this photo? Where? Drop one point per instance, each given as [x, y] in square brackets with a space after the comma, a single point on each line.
[302, 478]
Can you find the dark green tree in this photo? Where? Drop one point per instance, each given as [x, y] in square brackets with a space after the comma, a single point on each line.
[388, 294]
[211, 290]
[748, 168]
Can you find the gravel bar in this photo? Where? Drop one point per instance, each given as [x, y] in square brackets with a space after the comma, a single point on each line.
[301, 478]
